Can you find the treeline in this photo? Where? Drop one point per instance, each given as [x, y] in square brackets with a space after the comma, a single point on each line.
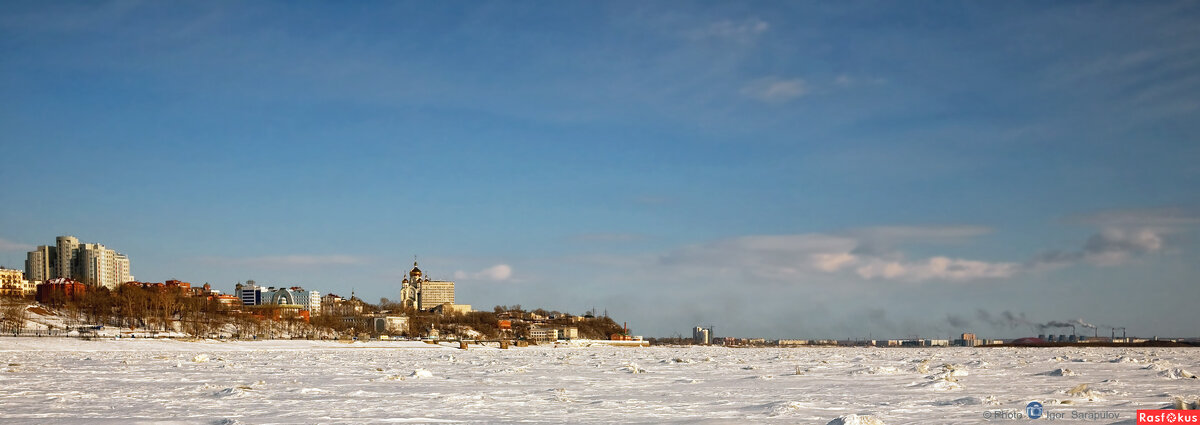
[171, 309]
[486, 323]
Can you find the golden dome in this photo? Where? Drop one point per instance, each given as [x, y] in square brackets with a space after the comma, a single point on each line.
[415, 271]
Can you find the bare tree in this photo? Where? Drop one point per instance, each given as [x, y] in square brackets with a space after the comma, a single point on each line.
[13, 315]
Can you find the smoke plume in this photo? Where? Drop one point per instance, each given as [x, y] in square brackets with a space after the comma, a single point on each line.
[1080, 322]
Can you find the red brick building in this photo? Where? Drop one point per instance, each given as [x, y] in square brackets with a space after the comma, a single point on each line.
[60, 289]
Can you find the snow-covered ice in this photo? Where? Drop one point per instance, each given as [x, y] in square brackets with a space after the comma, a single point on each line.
[62, 380]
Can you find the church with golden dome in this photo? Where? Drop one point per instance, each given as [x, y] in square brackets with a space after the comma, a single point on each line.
[419, 291]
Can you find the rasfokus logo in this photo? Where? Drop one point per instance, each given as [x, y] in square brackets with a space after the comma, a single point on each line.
[1168, 417]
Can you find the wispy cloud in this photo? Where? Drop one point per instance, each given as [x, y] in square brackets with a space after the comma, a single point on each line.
[881, 239]
[7, 245]
[877, 253]
[1123, 235]
[920, 233]
[792, 257]
[848, 81]
[1114, 246]
[743, 31]
[775, 89]
[280, 261]
[936, 268]
[497, 273]
[607, 237]
[1142, 217]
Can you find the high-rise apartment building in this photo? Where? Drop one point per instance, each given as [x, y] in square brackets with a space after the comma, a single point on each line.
[41, 264]
[101, 266]
[92, 264]
[68, 253]
[701, 336]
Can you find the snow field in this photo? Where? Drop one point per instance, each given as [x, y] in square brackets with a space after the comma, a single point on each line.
[56, 380]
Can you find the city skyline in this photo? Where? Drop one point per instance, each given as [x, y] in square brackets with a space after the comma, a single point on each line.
[774, 169]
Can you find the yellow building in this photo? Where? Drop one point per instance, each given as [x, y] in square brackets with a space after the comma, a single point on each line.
[436, 292]
[452, 309]
[13, 283]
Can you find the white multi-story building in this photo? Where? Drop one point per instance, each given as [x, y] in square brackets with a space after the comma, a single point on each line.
[311, 300]
[568, 332]
[252, 294]
[540, 334]
[92, 264]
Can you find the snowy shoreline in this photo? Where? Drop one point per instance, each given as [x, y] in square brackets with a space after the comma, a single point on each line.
[169, 344]
[30, 343]
[61, 343]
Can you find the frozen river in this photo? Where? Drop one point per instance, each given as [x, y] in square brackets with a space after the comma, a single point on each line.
[125, 382]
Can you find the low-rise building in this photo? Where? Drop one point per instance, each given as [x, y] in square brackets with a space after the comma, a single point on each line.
[308, 300]
[541, 334]
[185, 288]
[335, 305]
[968, 340]
[225, 300]
[13, 283]
[925, 343]
[390, 324]
[451, 309]
[568, 332]
[254, 295]
[11, 276]
[60, 289]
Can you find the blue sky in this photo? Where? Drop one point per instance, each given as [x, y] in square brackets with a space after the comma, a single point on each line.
[776, 169]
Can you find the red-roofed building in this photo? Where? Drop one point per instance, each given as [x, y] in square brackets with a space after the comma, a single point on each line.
[60, 289]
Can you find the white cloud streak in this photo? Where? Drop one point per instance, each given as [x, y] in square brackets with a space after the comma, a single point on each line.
[794, 257]
[936, 268]
[873, 253]
[496, 273]
[775, 89]
[741, 31]
[10, 246]
[282, 261]
[607, 237]
[1142, 217]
